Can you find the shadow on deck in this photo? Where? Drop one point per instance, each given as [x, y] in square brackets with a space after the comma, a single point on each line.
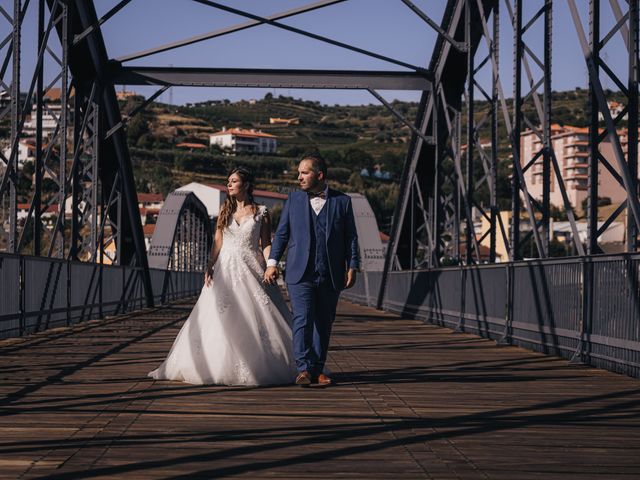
[413, 401]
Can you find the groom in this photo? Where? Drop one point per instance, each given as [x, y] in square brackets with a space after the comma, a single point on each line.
[318, 225]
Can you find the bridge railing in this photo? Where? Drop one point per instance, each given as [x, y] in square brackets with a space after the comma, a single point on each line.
[37, 293]
[584, 309]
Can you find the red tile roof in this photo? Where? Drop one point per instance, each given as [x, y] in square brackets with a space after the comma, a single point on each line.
[484, 250]
[45, 209]
[191, 145]
[150, 197]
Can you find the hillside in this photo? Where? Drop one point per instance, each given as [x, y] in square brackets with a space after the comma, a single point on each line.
[350, 137]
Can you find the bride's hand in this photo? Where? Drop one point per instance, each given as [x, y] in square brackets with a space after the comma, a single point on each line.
[271, 275]
[208, 279]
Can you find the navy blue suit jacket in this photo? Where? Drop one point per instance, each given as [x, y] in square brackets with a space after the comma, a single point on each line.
[295, 228]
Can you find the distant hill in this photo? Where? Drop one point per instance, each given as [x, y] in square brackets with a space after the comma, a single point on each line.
[370, 128]
[352, 138]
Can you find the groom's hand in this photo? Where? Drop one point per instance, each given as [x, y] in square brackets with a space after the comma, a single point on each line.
[350, 279]
[271, 275]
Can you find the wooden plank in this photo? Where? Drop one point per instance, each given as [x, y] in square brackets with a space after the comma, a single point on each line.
[413, 401]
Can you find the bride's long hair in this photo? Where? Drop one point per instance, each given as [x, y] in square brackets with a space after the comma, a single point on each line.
[230, 204]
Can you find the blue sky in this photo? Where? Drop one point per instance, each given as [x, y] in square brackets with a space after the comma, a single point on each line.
[383, 26]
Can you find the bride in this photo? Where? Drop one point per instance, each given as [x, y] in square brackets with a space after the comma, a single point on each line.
[239, 331]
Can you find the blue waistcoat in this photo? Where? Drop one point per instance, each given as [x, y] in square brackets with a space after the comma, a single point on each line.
[318, 264]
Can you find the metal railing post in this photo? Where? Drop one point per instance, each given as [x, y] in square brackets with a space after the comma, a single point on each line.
[463, 292]
[580, 356]
[508, 316]
[21, 293]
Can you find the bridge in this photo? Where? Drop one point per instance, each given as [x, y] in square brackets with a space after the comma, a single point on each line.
[412, 401]
[433, 354]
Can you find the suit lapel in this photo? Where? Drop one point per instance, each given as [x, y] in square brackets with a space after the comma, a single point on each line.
[330, 205]
[305, 205]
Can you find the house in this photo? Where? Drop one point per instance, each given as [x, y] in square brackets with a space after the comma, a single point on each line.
[51, 113]
[5, 98]
[49, 213]
[150, 200]
[26, 151]
[615, 108]
[240, 140]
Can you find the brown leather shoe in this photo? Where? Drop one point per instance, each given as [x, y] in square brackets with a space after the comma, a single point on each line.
[324, 381]
[303, 379]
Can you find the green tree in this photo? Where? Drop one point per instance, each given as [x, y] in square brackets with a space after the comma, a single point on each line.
[333, 157]
[137, 127]
[161, 179]
[356, 182]
[28, 168]
[357, 159]
[393, 163]
[383, 198]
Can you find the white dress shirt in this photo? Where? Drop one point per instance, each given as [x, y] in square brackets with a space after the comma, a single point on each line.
[316, 203]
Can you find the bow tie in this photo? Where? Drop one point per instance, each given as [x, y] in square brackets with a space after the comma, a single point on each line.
[317, 195]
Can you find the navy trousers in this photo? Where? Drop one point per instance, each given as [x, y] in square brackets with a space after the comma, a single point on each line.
[313, 303]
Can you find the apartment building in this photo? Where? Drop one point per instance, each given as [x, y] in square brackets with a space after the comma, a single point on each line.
[571, 146]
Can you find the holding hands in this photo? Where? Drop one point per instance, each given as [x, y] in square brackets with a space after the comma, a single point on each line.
[271, 275]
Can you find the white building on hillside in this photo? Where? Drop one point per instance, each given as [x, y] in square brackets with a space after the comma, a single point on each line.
[51, 113]
[615, 109]
[240, 140]
[26, 151]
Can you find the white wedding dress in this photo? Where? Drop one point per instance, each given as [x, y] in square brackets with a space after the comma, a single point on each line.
[239, 332]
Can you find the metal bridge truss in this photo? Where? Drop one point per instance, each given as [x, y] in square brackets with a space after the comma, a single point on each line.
[86, 158]
[182, 237]
[441, 182]
[447, 168]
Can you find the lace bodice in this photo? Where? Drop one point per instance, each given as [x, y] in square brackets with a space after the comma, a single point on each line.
[243, 238]
[246, 234]
[241, 245]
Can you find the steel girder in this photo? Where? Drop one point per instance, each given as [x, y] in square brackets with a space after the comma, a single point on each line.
[76, 172]
[625, 169]
[447, 165]
[50, 156]
[182, 237]
[89, 67]
[451, 174]
[426, 207]
[269, 78]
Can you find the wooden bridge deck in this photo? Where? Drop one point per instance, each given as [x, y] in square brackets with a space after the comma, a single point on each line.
[414, 401]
